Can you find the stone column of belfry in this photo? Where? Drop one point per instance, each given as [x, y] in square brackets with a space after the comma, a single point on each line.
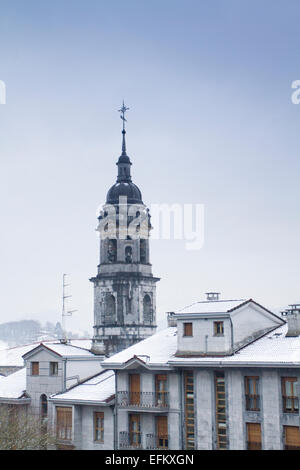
[124, 288]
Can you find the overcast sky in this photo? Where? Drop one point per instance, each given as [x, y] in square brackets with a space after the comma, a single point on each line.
[211, 122]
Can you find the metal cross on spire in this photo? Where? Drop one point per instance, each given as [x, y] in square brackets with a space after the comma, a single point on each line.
[122, 115]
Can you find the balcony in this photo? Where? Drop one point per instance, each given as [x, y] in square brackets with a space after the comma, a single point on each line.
[130, 440]
[147, 400]
[156, 442]
[137, 440]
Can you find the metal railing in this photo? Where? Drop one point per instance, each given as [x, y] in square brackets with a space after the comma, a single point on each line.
[130, 440]
[154, 441]
[143, 399]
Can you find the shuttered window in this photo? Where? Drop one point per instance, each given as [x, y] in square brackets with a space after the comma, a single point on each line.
[253, 436]
[135, 389]
[162, 432]
[64, 423]
[292, 438]
[35, 368]
[188, 329]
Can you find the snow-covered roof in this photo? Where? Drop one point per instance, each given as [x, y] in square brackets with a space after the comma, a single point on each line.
[12, 357]
[100, 389]
[211, 306]
[273, 349]
[13, 386]
[67, 350]
[159, 348]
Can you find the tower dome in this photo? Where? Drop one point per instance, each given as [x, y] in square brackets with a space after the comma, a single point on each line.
[124, 185]
[130, 190]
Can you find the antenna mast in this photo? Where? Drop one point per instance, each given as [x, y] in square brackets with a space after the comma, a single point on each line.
[65, 313]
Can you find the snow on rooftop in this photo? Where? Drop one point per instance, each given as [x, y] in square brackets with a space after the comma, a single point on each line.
[211, 306]
[67, 350]
[12, 357]
[99, 388]
[159, 347]
[273, 348]
[14, 385]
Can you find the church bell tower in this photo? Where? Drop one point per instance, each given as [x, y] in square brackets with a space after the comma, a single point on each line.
[124, 287]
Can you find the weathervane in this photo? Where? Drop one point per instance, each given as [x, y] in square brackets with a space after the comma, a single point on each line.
[122, 115]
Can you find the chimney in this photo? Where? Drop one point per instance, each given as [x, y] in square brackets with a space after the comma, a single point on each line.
[171, 319]
[212, 296]
[293, 320]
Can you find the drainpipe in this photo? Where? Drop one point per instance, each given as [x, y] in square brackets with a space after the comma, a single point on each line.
[116, 414]
[231, 327]
[65, 374]
[182, 409]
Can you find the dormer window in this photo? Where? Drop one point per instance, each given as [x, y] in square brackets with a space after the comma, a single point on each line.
[218, 328]
[188, 329]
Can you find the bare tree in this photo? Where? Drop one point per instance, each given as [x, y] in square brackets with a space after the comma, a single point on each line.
[21, 431]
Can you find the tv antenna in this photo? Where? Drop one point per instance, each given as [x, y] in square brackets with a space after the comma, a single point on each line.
[65, 313]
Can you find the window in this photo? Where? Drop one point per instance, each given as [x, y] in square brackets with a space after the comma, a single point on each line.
[162, 438]
[110, 309]
[35, 368]
[147, 309]
[112, 250]
[64, 423]
[252, 393]
[218, 328]
[99, 427]
[290, 394]
[128, 254]
[253, 436]
[161, 398]
[53, 368]
[188, 329]
[135, 389]
[189, 410]
[291, 438]
[220, 410]
[44, 406]
[135, 437]
[143, 251]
